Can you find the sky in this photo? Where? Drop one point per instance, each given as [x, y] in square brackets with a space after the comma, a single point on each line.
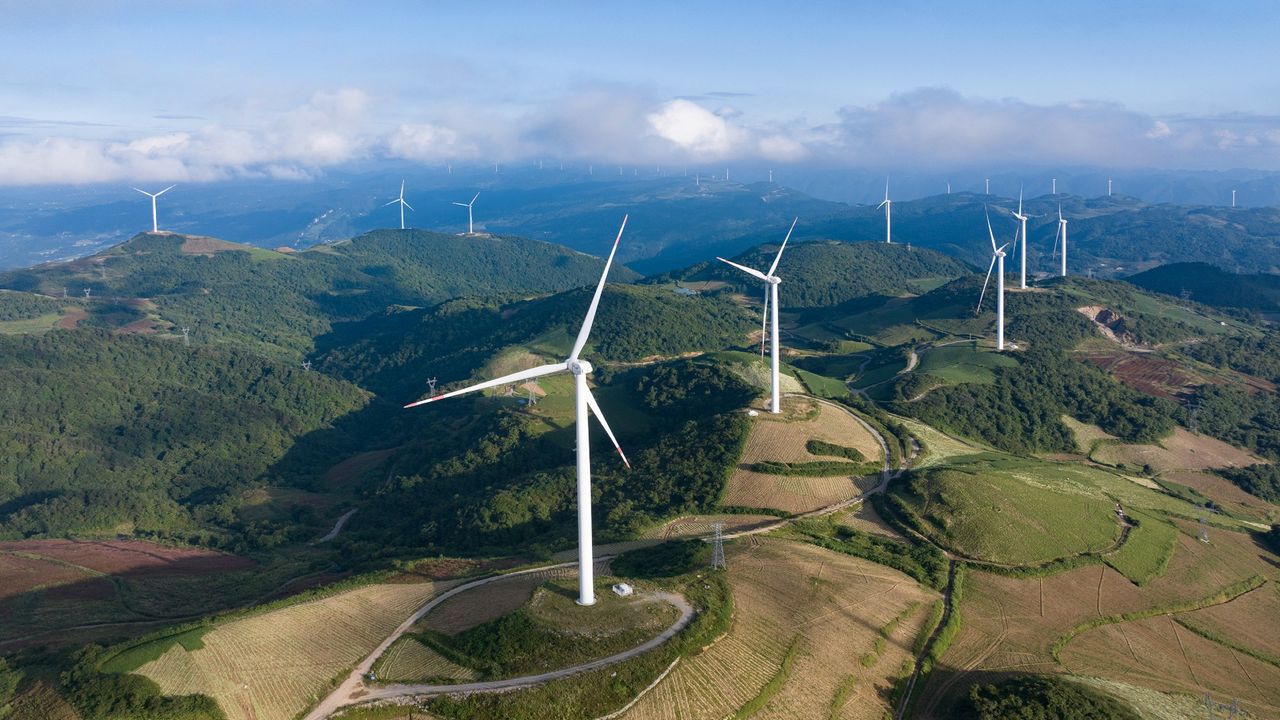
[105, 91]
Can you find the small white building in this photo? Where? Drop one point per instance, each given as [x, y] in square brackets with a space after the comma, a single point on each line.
[623, 590]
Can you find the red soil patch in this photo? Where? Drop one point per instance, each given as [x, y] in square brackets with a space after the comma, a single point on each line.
[72, 318]
[21, 574]
[1150, 374]
[98, 588]
[345, 472]
[132, 557]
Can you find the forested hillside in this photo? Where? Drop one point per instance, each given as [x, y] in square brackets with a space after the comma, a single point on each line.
[106, 431]
[276, 303]
[1212, 285]
[394, 354]
[824, 273]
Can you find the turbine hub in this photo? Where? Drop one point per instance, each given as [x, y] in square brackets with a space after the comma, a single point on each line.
[580, 367]
[774, 280]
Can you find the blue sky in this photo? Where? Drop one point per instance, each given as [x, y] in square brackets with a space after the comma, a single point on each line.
[101, 90]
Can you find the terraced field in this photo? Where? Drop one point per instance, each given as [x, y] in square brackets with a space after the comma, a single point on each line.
[783, 439]
[830, 605]
[408, 660]
[272, 666]
[1182, 450]
[1010, 624]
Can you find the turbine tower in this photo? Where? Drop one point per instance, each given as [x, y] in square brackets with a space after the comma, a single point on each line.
[770, 289]
[1062, 233]
[888, 207]
[1022, 256]
[470, 225]
[155, 226]
[584, 402]
[403, 204]
[997, 264]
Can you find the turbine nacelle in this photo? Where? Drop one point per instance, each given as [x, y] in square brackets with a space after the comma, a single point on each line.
[578, 366]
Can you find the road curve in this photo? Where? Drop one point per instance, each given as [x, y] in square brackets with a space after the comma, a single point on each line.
[388, 692]
[337, 527]
[353, 689]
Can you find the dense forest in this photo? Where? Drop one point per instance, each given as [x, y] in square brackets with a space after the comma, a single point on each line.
[392, 354]
[1029, 697]
[106, 429]
[276, 303]
[1211, 285]
[499, 480]
[821, 274]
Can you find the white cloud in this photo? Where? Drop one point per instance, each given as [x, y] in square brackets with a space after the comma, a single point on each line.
[628, 124]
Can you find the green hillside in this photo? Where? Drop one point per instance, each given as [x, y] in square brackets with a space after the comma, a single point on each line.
[106, 431]
[1212, 285]
[276, 303]
[394, 354]
[825, 273]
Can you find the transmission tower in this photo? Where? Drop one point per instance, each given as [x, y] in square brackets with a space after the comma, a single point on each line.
[431, 385]
[1193, 423]
[86, 293]
[186, 337]
[717, 552]
[1203, 533]
[306, 365]
[533, 399]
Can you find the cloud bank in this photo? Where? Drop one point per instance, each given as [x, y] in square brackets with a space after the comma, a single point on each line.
[923, 128]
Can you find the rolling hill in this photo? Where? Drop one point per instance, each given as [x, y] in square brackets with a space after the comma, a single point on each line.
[1212, 285]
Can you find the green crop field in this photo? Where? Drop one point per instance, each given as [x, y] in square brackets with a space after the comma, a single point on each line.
[1146, 552]
[965, 363]
[1008, 510]
[821, 385]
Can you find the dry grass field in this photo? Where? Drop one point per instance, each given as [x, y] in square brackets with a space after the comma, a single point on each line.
[272, 666]
[408, 660]
[831, 605]
[1161, 654]
[937, 446]
[41, 702]
[1240, 620]
[783, 439]
[864, 518]
[1010, 624]
[1086, 435]
[695, 526]
[1182, 450]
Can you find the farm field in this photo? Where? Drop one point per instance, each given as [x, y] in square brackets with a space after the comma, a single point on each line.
[495, 599]
[831, 606]
[1147, 549]
[41, 702]
[864, 518]
[694, 526]
[1010, 623]
[408, 660]
[1182, 450]
[783, 439]
[965, 363]
[1239, 621]
[272, 666]
[1146, 372]
[23, 573]
[1161, 654]
[937, 446]
[1086, 435]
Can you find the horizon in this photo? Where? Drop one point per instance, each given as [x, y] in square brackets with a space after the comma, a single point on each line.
[916, 89]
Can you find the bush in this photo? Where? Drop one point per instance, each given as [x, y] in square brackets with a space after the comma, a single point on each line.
[1041, 698]
[661, 561]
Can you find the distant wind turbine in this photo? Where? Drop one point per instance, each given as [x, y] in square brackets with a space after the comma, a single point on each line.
[770, 292]
[997, 264]
[1233, 198]
[1022, 255]
[155, 226]
[1062, 233]
[468, 206]
[948, 188]
[1108, 187]
[987, 191]
[403, 204]
[888, 208]
[1055, 186]
[580, 369]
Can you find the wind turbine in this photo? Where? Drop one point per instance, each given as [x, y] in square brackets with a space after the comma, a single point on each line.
[470, 225]
[403, 204]
[584, 401]
[888, 207]
[155, 226]
[1233, 198]
[1062, 232]
[1022, 256]
[1055, 186]
[997, 264]
[771, 289]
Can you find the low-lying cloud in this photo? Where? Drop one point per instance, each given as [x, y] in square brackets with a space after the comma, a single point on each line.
[923, 128]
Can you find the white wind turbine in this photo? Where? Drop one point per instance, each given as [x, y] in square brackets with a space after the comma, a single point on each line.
[155, 226]
[1022, 255]
[584, 401]
[997, 264]
[770, 289]
[1062, 232]
[888, 207]
[403, 204]
[468, 206]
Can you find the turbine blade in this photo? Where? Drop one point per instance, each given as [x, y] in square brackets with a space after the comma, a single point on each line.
[461, 204]
[473, 200]
[595, 410]
[991, 233]
[745, 269]
[393, 202]
[408, 205]
[774, 266]
[402, 188]
[983, 296]
[1019, 201]
[882, 204]
[1056, 234]
[1002, 247]
[595, 300]
[504, 380]
[1059, 212]
[144, 192]
[166, 190]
